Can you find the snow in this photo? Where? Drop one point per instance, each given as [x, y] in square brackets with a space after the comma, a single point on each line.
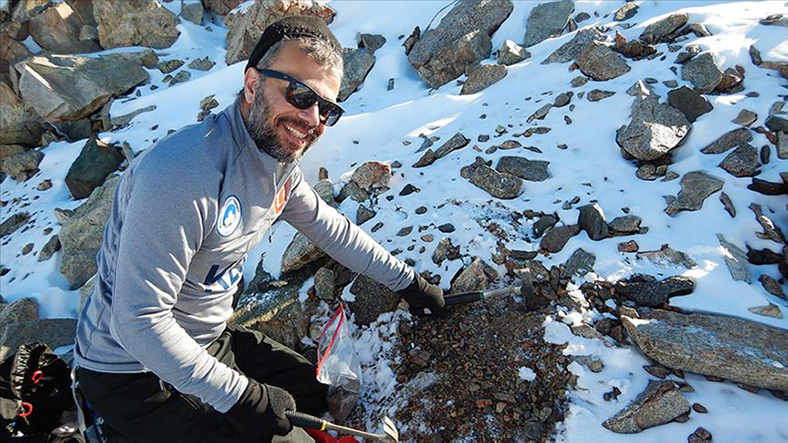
[385, 125]
[526, 374]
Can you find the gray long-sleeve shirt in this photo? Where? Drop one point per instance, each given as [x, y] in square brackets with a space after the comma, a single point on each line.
[184, 217]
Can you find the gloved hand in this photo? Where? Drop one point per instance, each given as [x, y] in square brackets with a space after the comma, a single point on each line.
[261, 411]
[421, 294]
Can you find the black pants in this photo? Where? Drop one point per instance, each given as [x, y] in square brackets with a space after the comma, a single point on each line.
[144, 408]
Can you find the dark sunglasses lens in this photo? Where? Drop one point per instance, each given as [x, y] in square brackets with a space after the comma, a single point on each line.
[300, 96]
[330, 112]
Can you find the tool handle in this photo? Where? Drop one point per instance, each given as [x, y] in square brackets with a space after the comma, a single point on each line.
[464, 298]
[305, 421]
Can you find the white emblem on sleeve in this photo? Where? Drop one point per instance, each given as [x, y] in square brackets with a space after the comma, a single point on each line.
[229, 216]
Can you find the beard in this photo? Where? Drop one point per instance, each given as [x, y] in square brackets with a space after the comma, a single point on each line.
[263, 128]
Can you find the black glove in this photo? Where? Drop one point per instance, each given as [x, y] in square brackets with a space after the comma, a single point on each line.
[421, 294]
[261, 411]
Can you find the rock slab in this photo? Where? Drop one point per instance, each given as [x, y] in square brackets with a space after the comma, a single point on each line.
[696, 186]
[135, 23]
[655, 129]
[660, 403]
[547, 20]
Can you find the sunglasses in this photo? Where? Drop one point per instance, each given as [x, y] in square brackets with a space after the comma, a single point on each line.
[302, 96]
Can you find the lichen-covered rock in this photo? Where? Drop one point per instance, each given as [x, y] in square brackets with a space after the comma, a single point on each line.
[452, 61]
[357, 64]
[483, 77]
[702, 72]
[657, 31]
[96, 161]
[696, 187]
[660, 403]
[531, 170]
[571, 49]
[135, 23]
[729, 140]
[601, 63]
[547, 20]
[372, 175]
[742, 162]
[372, 299]
[656, 128]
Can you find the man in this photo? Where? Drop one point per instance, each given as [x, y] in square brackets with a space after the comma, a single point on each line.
[156, 358]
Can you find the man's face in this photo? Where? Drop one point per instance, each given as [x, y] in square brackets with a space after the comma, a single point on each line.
[277, 127]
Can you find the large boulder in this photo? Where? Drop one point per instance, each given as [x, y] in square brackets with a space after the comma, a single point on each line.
[246, 25]
[54, 332]
[18, 124]
[96, 161]
[483, 77]
[83, 233]
[702, 72]
[573, 48]
[63, 88]
[726, 347]
[655, 129]
[135, 23]
[59, 29]
[657, 31]
[601, 63]
[358, 63]
[689, 102]
[459, 40]
[23, 164]
[547, 20]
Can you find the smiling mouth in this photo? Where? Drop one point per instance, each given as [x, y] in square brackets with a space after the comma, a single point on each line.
[296, 133]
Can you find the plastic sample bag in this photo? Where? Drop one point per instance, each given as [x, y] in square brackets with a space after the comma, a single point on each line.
[338, 366]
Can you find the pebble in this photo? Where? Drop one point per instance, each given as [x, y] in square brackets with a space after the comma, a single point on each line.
[421, 210]
[428, 238]
[409, 189]
[28, 247]
[377, 226]
[483, 138]
[446, 228]
[405, 231]
[44, 185]
[630, 246]
[699, 408]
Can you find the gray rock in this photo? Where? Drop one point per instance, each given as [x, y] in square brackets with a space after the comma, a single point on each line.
[57, 29]
[192, 11]
[742, 162]
[510, 53]
[246, 25]
[22, 165]
[483, 77]
[531, 170]
[626, 224]
[544, 223]
[540, 113]
[61, 87]
[660, 403]
[459, 41]
[299, 253]
[579, 263]
[20, 125]
[202, 64]
[180, 77]
[372, 175]
[82, 234]
[55, 332]
[363, 215]
[720, 346]
[443, 251]
[563, 99]
[411, 40]
[655, 129]
[49, 249]
[572, 49]
[497, 184]
[124, 120]
[656, 32]
[221, 7]
[372, 299]
[625, 12]
[745, 118]
[689, 102]
[592, 220]
[358, 63]
[472, 278]
[772, 286]
[582, 16]
[645, 290]
[325, 284]
[579, 81]
[556, 238]
[696, 186]
[370, 42]
[457, 141]
[138, 23]
[782, 145]
[770, 310]
[642, 89]
[729, 140]
[601, 63]
[666, 254]
[22, 310]
[597, 94]
[736, 260]
[95, 163]
[770, 230]
[728, 204]
[547, 20]
[352, 190]
[775, 20]
[776, 123]
[702, 72]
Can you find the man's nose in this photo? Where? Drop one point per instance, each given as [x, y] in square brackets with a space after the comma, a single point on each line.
[311, 115]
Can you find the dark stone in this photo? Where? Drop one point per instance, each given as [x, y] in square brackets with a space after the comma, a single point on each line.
[446, 228]
[702, 72]
[579, 263]
[656, 32]
[458, 141]
[372, 299]
[531, 170]
[408, 189]
[742, 162]
[94, 164]
[768, 188]
[645, 290]
[597, 95]
[729, 140]
[696, 187]
[626, 224]
[601, 63]
[14, 222]
[689, 102]
[363, 214]
[592, 220]
[776, 123]
[556, 238]
[49, 249]
[544, 223]
[572, 49]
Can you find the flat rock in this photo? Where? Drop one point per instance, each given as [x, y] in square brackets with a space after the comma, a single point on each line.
[547, 20]
[579, 263]
[57, 29]
[702, 72]
[457, 141]
[771, 231]
[299, 253]
[742, 162]
[601, 63]
[666, 254]
[572, 49]
[776, 123]
[625, 224]
[357, 63]
[372, 175]
[596, 95]
[726, 347]
[689, 102]
[483, 77]
[592, 220]
[655, 32]
[556, 238]
[770, 310]
[654, 130]
[745, 118]
[511, 53]
[138, 23]
[82, 234]
[61, 87]
[530, 170]
[696, 187]
[660, 403]
[95, 163]
[202, 64]
[645, 290]
[471, 278]
[21, 125]
[736, 260]
[625, 12]
[372, 299]
[772, 286]
[729, 140]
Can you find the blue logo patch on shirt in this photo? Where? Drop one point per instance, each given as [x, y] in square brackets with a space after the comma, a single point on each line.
[229, 216]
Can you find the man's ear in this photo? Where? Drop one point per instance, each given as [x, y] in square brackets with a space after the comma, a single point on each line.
[251, 77]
